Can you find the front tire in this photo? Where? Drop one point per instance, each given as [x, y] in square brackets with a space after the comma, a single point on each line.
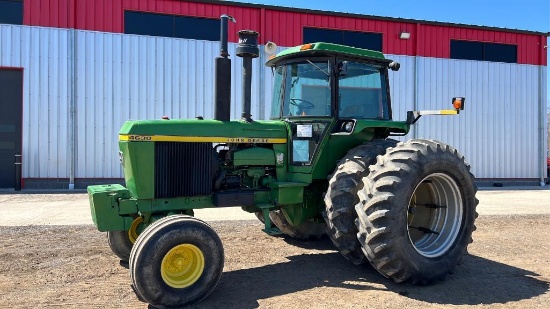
[177, 261]
[120, 244]
[417, 211]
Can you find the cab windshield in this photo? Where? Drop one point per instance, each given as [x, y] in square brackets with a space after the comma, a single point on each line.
[301, 89]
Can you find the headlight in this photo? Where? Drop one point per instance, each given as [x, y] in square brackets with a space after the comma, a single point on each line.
[348, 126]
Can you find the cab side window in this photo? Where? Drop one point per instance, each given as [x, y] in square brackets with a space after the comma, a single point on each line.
[362, 92]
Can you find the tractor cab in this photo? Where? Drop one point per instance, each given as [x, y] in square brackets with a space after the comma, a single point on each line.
[333, 94]
[329, 80]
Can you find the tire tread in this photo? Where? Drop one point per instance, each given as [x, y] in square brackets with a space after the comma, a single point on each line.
[341, 196]
[377, 209]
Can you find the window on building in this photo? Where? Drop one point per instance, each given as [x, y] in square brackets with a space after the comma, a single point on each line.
[148, 24]
[11, 12]
[197, 28]
[367, 40]
[500, 52]
[171, 26]
[484, 51]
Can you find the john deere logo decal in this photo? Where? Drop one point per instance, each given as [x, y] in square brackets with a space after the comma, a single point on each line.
[201, 139]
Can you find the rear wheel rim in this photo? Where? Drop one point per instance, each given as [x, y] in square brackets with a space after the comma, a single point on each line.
[182, 266]
[435, 215]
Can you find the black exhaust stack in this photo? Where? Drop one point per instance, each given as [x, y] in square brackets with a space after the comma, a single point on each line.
[222, 82]
[247, 49]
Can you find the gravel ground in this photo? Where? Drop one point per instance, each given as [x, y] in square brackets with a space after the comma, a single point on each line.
[73, 267]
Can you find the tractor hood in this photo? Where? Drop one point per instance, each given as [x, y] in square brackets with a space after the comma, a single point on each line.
[160, 155]
[197, 130]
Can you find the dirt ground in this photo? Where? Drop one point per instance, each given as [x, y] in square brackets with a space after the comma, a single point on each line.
[73, 267]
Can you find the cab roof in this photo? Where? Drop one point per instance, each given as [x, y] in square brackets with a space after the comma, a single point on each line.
[325, 49]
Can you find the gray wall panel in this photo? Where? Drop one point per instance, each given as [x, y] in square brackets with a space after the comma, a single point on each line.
[498, 130]
[402, 90]
[402, 86]
[120, 77]
[43, 55]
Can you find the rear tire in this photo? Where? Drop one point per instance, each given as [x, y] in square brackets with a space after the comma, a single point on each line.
[305, 230]
[260, 216]
[177, 261]
[120, 244]
[341, 197]
[417, 211]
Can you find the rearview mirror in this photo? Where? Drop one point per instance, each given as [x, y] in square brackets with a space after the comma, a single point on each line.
[394, 66]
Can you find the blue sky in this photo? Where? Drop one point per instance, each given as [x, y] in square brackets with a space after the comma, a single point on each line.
[532, 15]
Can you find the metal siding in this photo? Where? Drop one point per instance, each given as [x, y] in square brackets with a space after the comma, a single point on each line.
[280, 26]
[50, 13]
[43, 54]
[402, 87]
[123, 77]
[99, 15]
[286, 29]
[498, 130]
[247, 18]
[120, 77]
[434, 41]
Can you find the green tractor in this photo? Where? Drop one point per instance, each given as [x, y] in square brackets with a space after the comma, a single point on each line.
[323, 165]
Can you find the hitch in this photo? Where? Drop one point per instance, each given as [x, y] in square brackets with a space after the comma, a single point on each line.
[270, 228]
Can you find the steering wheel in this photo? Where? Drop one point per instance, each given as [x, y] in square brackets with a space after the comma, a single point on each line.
[304, 104]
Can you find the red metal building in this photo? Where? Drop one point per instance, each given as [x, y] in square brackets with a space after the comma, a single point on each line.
[86, 66]
[284, 25]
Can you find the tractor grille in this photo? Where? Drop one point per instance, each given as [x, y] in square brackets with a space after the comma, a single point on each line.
[184, 169]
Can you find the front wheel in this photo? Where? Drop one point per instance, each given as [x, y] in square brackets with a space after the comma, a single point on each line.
[120, 244]
[416, 212]
[177, 261]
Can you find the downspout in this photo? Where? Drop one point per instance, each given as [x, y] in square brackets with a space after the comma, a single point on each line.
[261, 107]
[72, 109]
[415, 81]
[542, 118]
[72, 97]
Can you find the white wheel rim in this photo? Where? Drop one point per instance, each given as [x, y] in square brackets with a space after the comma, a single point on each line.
[435, 215]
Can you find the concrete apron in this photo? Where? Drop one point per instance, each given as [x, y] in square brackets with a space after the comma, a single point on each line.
[73, 209]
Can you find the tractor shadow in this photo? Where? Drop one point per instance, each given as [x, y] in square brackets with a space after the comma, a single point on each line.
[476, 281]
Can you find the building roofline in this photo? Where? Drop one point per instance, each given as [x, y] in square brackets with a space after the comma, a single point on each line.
[373, 17]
